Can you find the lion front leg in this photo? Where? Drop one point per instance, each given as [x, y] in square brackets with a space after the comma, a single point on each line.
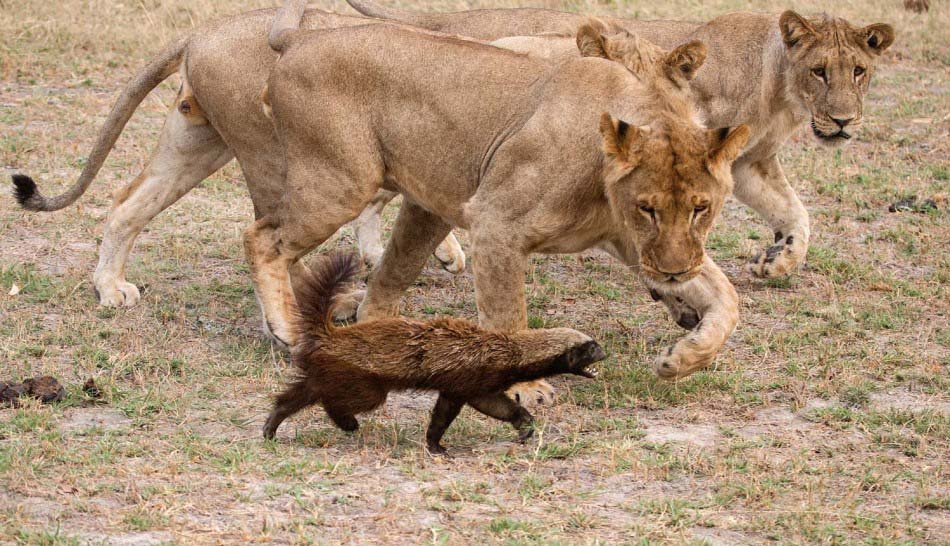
[499, 266]
[715, 302]
[762, 185]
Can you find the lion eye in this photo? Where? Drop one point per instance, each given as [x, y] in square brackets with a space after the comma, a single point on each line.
[858, 71]
[700, 209]
[819, 73]
[649, 211]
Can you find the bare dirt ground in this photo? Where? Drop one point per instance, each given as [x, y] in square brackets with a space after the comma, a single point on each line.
[825, 420]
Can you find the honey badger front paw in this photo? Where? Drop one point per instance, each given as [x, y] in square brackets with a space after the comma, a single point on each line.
[435, 448]
[780, 259]
[532, 394]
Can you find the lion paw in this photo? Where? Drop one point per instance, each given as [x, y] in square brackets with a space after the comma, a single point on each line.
[672, 364]
[346, 305]
[533, 394]
[450, 255]
[278, 338]
[779, 259]
[117, 294]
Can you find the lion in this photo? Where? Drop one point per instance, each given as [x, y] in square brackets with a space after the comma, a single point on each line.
[540, 157]
[774, 73]
[216, 117]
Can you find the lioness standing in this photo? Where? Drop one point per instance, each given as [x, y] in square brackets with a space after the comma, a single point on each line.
[528, 161]
[772, 73]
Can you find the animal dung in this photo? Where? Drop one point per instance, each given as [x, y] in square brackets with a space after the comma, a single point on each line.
[45, 388]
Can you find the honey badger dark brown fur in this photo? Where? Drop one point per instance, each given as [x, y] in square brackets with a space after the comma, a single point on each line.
[350, 370]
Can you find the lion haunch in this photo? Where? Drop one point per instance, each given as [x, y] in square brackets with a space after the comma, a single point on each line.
[350, 370]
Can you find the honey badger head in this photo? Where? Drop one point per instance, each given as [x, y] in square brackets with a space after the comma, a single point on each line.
[568, 350]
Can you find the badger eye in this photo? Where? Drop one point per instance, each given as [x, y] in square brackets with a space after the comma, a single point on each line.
[858, 71]
[819, 72]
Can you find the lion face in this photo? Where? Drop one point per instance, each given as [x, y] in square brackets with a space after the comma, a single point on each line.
[667, 189]
[831, 64]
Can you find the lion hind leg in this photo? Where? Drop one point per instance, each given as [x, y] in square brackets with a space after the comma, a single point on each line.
[186, 154]
[415, 236]
[368, 227]
[450, 254]
[320, 200]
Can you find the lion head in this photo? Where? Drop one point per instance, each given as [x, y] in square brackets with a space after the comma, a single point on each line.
[668, 186]
[830, 67]
[666, 181]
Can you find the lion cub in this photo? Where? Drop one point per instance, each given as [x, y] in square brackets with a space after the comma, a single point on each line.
[350, 370]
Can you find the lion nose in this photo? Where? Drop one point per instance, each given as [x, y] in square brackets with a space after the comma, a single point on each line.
[842, 122]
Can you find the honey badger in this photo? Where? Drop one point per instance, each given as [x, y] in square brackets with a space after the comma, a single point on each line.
[350, 370]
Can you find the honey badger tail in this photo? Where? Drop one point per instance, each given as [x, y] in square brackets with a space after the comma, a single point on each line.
[315, 294]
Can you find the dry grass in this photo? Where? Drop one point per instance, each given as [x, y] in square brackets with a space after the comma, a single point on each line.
[824, 421]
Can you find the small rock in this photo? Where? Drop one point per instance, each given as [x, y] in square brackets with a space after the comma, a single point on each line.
[46, 388]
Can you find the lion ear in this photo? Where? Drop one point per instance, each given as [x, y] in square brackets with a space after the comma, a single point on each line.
[683, 62]
[591, 41]
[794, 27]
[726, 145]
[877, 37]
[622, 141]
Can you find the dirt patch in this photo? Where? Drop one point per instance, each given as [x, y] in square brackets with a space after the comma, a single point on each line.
[713, 536]
[704, 436]
[78, 420]
[904, 400]
[133, 539]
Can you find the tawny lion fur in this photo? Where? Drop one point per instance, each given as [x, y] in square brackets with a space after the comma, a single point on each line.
[351, 370]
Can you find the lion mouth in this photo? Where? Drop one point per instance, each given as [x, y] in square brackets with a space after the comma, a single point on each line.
[679, 277]
[839, 136]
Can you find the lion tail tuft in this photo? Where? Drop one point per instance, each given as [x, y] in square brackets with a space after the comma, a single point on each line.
[26, 194]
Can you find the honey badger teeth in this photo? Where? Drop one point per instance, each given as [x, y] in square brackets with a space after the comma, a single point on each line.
[590, 372]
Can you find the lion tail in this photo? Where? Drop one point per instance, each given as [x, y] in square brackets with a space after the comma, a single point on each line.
[286, 21]
[163, 66]
[372, 9]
